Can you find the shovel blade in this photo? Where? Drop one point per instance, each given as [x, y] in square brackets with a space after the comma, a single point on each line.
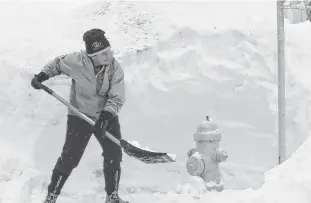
[146, 156]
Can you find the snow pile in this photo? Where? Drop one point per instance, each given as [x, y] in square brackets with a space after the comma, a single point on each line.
[136, 144]
[194, 186]
[178, 69]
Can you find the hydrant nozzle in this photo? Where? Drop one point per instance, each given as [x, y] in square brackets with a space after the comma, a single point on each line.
[195, 165]
[221, 156]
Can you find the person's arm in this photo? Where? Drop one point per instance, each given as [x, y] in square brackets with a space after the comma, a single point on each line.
[116, 94]
[61, 65]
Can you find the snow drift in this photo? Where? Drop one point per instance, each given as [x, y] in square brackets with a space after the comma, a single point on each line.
[179, 68]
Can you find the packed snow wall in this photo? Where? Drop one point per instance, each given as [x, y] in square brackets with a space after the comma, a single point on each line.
[178, 69]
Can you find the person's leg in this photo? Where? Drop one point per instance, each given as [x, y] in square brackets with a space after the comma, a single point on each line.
[112, 154]
[78, 134]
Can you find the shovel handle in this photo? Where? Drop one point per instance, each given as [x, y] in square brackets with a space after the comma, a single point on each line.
[76, 111]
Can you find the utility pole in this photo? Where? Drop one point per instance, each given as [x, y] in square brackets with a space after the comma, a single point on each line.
[281, 81]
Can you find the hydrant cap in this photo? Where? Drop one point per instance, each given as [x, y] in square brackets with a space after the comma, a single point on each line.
[207, 130]
[207, 126]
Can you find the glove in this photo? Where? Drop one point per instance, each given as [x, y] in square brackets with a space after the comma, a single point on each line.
[103, 121]
[41, 77]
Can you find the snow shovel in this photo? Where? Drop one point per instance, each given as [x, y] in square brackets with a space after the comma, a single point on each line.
[148, 157]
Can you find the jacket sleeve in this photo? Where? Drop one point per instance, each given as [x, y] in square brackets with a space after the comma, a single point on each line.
[61, 64]
[116, 94]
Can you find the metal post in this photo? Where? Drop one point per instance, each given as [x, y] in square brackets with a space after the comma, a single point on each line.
[281, 81]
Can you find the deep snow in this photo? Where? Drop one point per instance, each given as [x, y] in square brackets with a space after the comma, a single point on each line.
[179, 68]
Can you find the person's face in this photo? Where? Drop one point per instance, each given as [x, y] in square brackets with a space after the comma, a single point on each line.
[102, 58]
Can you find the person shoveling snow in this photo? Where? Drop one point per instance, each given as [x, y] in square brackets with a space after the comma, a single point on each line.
[101, 100]
[96, 97]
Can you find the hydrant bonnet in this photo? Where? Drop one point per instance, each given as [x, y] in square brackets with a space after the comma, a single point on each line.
[207, 130]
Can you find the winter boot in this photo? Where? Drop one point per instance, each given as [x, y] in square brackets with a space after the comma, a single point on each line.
[114, 198]
[58, 180]
[112, 172]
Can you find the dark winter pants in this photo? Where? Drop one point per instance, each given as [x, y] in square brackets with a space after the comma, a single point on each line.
[78, 134]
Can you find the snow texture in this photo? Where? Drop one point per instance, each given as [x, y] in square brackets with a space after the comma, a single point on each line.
[217, 59]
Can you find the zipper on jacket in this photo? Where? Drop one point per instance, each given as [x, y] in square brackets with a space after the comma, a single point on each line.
[100, 76]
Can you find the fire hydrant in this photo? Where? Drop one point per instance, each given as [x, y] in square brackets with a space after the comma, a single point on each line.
[205, 158]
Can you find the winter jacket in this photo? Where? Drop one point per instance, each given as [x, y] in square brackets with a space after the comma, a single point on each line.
[90, 93]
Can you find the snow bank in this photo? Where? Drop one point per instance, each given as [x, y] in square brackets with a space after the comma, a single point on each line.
[179, 68]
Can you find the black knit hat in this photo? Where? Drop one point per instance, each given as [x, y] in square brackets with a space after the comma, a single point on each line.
[95, 41]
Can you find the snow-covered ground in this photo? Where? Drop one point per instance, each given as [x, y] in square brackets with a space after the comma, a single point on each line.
[182, 61]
